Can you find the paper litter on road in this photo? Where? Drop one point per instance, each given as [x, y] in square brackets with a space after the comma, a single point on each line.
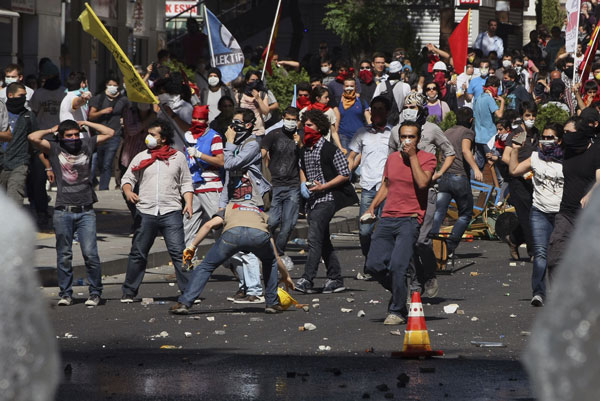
[210, 318]
[451, 308]
[346, 310]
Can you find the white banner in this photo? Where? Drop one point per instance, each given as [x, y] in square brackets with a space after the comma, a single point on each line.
[572, 25]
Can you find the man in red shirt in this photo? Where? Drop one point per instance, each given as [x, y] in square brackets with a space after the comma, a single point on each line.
[406, 179]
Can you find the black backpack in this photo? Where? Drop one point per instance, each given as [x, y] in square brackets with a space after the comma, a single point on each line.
[394, 116]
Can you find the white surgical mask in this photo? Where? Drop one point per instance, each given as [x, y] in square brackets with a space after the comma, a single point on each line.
[547, 142]
[529, 123]
[151, 142]
[112, 90]
[10, 80]
[325, 70]
[349, 88]
[213, 81]
[484, 72]
[290, 125]
[432, 98]
[410, 114]
[506, 63]
[525, 63]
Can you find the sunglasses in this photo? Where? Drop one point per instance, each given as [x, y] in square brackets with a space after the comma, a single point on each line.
[548, 137]
[431, 88]
[365, 68]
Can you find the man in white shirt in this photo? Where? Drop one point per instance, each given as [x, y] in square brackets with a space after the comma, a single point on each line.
[74, 105]
[14, 73]
[488, 41]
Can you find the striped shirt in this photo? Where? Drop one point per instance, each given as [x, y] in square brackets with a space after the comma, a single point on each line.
[212, 180]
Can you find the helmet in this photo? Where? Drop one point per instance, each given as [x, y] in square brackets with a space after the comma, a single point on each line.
[439, 66]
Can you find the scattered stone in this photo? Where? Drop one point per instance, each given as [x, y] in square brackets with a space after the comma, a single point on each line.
[361, 313]
[374, 301]
[396, 333]
[171, 284]
[315, 300]
[210, 318]
[256, 319]
[526, 333]
[305, 308]
[324, 348]
[163, 334]
[346, 310]
[403, 380]
[152, 320]
[147, 301]
[505, 285]
[460, 312]
[220, 332]
[513, 315]
[309, 326]
[451, 308]
[512, 264]
[315, 306]
[187, 334]
[382, 387]
[474, 274]
[474, 319]
[349, 300]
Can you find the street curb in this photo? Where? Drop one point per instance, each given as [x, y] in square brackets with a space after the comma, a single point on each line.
[48, 275]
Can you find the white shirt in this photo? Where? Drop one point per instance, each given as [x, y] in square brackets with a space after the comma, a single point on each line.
[548, 183]
[67, 112]
[462, 99]
[213, 104]
[373, 146]
[400, 91]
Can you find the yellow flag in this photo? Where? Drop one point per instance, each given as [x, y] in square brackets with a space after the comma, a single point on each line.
[137, 90]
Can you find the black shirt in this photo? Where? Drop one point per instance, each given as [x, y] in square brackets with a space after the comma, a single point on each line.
[283, 158]
[579, 171]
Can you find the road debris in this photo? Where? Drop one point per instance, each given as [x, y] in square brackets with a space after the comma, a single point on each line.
[451, 308]
[361, 313]
[324, 348]
[488, 344]
[220, 332]
[307, 327]
[187, 334]
[210, 318]
[474, 319]
[345, 310]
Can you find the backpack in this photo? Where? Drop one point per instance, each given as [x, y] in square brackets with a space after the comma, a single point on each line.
[394, 116]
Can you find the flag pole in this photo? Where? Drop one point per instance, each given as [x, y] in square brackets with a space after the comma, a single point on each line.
[262, 77]
[575, 77]
[210, 44]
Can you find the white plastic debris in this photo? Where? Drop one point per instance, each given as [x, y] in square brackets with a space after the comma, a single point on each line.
[361, 313]
[474, 319]
[163, 334]
[220, 332]
[151, 320]
[171, 284]
[346, 310]
[324, 348]
[512, 264]
[210, 318]
[374, 301]
[451, 308]
[513, 315]
[349, 300]
[68, 335]
[309, 326]
[147, 301]
[315, 306]
[315, 300]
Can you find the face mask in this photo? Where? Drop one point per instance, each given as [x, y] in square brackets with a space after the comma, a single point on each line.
[325, 70]
[349, 89]
[410, 114]
[518, 69]
[432, 98]
[366, 76]
[311, 136]
[529, 123]
[16, 105]
[73, 146]
[10, 80]
[484, 72]
[569, 72]
[506, 63]
[597, 76]
[509, 84]
[198, 128]
[471, 59]
[290, 125]
[546, 142]
[213, 81]
[151, 142]
[576, 140]
[112, 90]
[238, 126]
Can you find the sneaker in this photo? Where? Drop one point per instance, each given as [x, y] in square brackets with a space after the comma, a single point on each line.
[238, 295]
[65, 301]
[250, 299]
[272, 309]
[93, 300]
[197, 301]
[126, 299]
[305, 286]
[431, 288]
[179, 309]
[332, 286]
[537, 300]
[393, 320]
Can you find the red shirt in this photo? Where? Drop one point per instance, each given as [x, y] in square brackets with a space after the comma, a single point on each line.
[404, 199]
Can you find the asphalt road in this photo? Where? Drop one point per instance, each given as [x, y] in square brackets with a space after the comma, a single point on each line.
[236, 352]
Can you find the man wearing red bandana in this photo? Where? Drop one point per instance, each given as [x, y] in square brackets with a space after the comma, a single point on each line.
[205, 160]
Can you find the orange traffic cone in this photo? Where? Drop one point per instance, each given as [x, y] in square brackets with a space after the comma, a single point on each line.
[416, 339]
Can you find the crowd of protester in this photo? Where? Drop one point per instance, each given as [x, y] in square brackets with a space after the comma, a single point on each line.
[400, 137]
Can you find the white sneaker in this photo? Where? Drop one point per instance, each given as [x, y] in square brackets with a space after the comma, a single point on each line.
[392, 320]
[250, 299]
[93, 300]
[537, 300]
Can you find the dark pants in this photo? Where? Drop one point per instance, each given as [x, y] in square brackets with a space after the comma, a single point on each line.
[36, 187]
[542, 225]
[455, 187]
[564, 224]
[521, 197]
[229, 243]
[319, 243]
[106, 154]
[171, 227]
[391, 250]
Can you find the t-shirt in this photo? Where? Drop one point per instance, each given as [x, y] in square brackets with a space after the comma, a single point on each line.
[373, 148]
[66, 108]
[516, 97]
[353, 118]
[212, 100]
[579, 171]
[73, 177]
[548, 182]
[456, 135]
[484, 108]
[243, 215]
[45, 104]
[404, 199]
[112, 120]
[283, 158]
[210, 174]
[476, 87]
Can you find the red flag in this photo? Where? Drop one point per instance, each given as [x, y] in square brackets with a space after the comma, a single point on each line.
[459, 43]
[273, 40]
[588, 58]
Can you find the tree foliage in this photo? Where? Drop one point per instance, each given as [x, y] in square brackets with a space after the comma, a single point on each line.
[550, 113]
[553, 13]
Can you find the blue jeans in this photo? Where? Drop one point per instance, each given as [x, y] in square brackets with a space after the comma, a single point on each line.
[345, 140]
[106, 154]
[542, 225]
[391, 250]
[319, 243]
[229, 243]
[481, 149]
[284, 209]
[247, 267]
[65, 225]
[457, 187]
[170, 226]
[366, 230]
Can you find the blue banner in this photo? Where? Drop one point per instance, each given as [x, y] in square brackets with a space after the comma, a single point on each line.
[226, 54]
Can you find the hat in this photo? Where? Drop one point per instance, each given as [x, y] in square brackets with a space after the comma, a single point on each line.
[48, 69]
[200, 112]
[216, 71]
[414, 98]
[395, 66]
[440, 66]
